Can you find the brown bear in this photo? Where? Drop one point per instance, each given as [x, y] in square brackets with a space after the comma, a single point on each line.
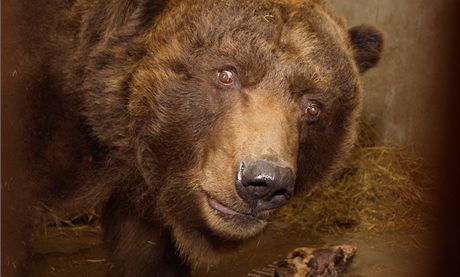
[192, 121]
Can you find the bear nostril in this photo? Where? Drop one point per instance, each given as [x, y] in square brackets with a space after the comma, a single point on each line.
[259, 189]
[257, 184]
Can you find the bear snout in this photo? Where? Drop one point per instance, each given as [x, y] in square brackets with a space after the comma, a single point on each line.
[264, 185]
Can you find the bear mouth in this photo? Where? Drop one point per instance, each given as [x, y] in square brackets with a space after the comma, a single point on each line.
[216, 205]
[229, 212]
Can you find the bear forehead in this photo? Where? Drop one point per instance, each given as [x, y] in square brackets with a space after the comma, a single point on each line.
[264, 18]
[300, 39]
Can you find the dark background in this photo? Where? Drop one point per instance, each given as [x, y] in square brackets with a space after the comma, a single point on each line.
[447, 257]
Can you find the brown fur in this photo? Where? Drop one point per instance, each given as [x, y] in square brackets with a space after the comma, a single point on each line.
[161, 135]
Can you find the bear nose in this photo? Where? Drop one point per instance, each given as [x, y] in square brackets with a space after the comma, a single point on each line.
[264, 185]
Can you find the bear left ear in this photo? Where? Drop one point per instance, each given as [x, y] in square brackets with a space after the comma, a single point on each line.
[367, 43]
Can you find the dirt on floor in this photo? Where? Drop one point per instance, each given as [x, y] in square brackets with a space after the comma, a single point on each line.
[79, 252]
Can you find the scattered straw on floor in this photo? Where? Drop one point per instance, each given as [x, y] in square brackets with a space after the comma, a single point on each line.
[380, 188]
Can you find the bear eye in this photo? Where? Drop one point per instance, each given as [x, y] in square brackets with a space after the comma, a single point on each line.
[313, 110]
[226, 77]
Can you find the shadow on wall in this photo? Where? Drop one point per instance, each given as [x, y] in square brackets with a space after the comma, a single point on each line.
[400, 93]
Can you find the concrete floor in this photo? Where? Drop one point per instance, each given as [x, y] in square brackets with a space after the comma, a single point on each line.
[79, 252]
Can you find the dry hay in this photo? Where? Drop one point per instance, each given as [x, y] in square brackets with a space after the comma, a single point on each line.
[90, 218]
[380, 188]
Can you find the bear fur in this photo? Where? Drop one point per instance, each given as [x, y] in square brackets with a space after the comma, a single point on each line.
[133, 117]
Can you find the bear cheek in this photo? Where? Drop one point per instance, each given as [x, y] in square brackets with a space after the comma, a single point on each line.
[323, 148]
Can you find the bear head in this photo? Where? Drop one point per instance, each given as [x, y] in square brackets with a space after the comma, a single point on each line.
[226, 108]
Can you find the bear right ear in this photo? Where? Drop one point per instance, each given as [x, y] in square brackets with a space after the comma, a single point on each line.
[367, 42]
